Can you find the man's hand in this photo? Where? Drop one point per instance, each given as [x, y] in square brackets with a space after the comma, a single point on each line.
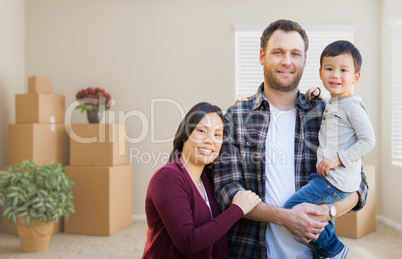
[301, 223]
[326, 164]
[312, 93]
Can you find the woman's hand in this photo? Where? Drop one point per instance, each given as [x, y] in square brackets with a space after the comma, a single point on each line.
[246, 200]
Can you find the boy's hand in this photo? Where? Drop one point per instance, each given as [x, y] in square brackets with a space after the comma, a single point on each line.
[242, 99]
[326, 164]
[312, 93]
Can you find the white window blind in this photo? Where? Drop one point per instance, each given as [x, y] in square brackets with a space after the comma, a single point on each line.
[249, 72]
[397, 93]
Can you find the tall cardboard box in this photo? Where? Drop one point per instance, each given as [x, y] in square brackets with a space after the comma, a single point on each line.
[39, 108]
[42, 143]
[362, 222]
[102, 200]
[98, 145]
[39, 84]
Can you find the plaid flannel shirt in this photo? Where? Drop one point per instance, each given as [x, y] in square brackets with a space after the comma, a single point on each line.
[241, 163]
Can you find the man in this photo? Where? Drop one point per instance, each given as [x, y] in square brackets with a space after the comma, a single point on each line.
[270, 144]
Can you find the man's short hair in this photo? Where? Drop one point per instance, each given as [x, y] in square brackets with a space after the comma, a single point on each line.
[340, 47]
[284, 25]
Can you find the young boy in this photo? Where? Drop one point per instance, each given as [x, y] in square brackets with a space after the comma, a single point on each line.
[345, 136]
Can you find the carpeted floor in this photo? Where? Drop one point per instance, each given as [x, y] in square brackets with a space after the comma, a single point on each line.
[386, 242]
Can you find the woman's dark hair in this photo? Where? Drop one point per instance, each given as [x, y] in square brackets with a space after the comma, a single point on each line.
[188, 124]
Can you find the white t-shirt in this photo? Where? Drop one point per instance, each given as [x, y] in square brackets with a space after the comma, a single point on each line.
[280, 183]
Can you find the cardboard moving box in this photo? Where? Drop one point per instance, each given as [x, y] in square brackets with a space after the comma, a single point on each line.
[42, 143]
[39, 108]
[362, 222]
[98, 145]
[39, 84]
[102, 200]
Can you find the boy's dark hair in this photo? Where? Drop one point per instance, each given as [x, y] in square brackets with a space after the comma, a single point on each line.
[340, 47]
[284, 25]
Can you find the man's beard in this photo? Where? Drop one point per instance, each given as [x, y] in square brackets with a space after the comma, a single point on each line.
[275, 84]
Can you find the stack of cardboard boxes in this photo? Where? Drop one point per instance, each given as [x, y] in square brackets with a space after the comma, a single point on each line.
[103, 180]
[39, 133]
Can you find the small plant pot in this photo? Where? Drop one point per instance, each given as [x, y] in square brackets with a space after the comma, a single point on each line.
[34, 239]
[94, 116]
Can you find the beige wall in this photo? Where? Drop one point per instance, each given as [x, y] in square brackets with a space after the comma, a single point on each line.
[390, 178]
[12, 72]
[177, 49]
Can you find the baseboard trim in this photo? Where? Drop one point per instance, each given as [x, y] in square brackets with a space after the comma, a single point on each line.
[389, 222]
[138, 217]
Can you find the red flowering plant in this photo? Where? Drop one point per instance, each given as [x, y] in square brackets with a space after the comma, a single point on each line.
[93, 99]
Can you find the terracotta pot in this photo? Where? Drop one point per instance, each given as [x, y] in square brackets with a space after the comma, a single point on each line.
[34, 239]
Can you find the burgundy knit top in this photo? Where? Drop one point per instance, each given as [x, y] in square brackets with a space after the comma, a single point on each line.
[179, 220]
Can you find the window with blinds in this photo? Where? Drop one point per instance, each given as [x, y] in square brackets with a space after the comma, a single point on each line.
[249, 72]
[397, 93]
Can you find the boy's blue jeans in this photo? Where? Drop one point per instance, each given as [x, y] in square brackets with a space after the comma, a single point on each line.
[319, 191]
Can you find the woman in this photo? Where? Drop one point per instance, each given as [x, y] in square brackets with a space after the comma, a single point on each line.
[184, 220]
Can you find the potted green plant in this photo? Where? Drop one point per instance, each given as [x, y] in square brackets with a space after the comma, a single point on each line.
[35, 195]
[93, 101]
